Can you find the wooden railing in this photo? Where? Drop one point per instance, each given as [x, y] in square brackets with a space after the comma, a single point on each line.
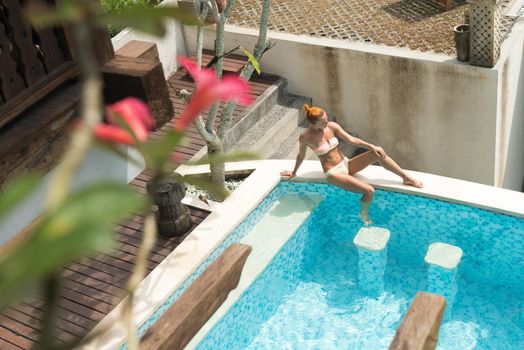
[33, 61]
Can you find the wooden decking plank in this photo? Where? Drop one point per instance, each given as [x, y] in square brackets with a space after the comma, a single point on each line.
[19, 328]
[102, 266]
[35, 324]
[129, 259]
[93, 283]
[107, 259]
[73, 323]
[96, 274]
[126, 236]
[16, 339]
[37, 314]
[157, 249]
[132, 250]
[86, 300]
[83, 316]
[4, 345]
[22, 318]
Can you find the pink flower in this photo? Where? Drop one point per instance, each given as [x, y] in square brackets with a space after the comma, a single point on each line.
[210, 90]
[132, 112]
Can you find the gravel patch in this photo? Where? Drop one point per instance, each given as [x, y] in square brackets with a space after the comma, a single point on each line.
[417, 24]
[231, 185]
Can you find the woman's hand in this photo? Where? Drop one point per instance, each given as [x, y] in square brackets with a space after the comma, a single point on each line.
[287, 173]
[379, 151]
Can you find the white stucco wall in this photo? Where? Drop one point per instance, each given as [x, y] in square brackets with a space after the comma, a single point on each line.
[430, 112]
[169, 47]
[510, 123]
[98, 165]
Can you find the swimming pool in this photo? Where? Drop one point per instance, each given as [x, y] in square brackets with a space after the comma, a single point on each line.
[308, 296]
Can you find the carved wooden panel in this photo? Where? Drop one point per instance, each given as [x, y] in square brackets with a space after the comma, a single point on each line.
[22, 36]
[10, 82]
[49, 50]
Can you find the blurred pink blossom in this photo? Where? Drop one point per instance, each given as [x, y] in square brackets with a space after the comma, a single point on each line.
[134, 113]
[209, 90]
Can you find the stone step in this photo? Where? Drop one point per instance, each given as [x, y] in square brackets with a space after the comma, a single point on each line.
[275, 127]
[254, 113]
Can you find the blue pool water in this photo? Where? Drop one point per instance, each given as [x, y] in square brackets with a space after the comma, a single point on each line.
[308, 297]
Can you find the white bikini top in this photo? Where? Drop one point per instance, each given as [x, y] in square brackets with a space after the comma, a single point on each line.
[326, 146]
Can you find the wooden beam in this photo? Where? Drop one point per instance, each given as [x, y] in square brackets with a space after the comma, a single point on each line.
[35, 142]
[420, 327]
[195, 306]
[141, 78]
[138, 49]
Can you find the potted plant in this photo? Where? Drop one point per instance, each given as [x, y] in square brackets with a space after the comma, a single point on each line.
[461, 33]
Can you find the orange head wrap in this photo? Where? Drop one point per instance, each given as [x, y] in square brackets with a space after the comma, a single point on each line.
[313, 113]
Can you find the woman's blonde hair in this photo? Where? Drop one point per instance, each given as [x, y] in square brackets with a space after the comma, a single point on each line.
[313, 113]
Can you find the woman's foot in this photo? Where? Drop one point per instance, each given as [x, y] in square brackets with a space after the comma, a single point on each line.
[365, 218]
[364, 212]
[409, 181]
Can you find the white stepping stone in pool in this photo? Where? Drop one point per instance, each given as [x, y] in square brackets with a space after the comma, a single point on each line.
[371, 243]
[443, 260]
[372, 238]
[444, 255]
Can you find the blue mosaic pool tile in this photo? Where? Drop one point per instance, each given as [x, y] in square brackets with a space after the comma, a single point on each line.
[321, 306]
[256, 305]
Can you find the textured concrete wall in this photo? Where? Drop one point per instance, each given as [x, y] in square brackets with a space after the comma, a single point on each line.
[509, 158]
[428, 111]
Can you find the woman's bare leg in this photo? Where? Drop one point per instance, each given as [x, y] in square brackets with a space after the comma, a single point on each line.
[353, 184]
[361, 161]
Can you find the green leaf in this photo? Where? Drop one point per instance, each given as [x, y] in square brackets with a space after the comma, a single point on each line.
[149, 20]
[15, 192]
[226, 157]
[157, 152]
[215, 190]
[66, 12]
[82, 224]
[251, 58]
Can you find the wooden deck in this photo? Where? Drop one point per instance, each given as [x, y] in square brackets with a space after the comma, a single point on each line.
[93, 286]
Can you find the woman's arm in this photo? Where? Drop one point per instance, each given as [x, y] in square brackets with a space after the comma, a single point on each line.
[337, 129]
[302, 147]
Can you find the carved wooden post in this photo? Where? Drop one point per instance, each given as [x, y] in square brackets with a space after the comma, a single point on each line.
[172, 217]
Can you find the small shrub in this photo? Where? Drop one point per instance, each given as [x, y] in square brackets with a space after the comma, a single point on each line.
[116, 6]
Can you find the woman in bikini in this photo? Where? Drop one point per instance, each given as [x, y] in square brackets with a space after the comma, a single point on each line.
[321, 137]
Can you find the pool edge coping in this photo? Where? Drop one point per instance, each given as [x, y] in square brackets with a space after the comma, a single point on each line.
[157, 287]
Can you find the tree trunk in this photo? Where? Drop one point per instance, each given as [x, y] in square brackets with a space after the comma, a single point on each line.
[217, 167]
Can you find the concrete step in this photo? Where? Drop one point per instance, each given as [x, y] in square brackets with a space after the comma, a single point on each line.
[275, 127]
[288, 149]
[256, 111]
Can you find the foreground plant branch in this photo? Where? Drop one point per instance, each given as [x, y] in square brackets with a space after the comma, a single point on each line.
[137, 276]
[258, 51]
[91, 114]
[81, 140]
